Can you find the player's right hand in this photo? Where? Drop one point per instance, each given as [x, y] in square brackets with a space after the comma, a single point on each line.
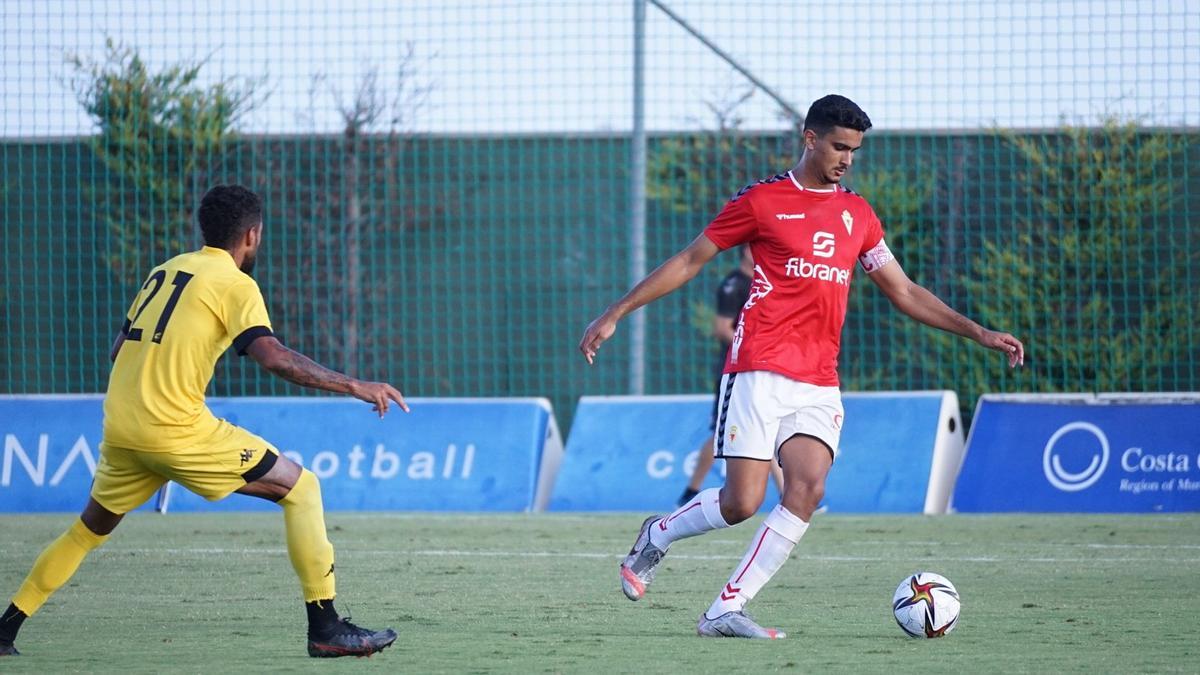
[597, 332]
[379, 394]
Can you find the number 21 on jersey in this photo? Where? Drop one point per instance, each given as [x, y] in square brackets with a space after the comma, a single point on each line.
[180, 280]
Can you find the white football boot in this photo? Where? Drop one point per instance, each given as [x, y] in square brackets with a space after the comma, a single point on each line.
[639, 567]
[736, 624]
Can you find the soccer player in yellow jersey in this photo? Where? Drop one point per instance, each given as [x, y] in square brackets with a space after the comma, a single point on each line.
[157, 428]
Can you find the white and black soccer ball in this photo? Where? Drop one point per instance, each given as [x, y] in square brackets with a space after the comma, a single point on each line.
[926, 605]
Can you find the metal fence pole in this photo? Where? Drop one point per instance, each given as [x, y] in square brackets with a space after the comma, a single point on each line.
[637, 199]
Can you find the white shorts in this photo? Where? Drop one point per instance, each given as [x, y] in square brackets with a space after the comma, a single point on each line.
[760, 410]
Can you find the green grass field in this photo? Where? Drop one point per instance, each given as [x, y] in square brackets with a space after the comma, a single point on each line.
[539, 593]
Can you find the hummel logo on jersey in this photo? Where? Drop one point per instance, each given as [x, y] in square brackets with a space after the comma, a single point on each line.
[247, 455]
[823, 245]
[789, 216]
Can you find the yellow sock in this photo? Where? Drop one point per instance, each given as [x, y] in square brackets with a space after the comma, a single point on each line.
[308, 547]
[55, 565]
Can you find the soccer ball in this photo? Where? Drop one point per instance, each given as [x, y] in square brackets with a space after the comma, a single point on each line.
[926, 605]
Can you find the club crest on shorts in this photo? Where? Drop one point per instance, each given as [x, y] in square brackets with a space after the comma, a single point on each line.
[733, 432]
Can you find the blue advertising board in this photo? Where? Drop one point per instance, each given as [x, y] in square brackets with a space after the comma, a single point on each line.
[1107, 454]
[900, 452]
[633, 452]
[637, 452]
[51, 445]
[447, 454]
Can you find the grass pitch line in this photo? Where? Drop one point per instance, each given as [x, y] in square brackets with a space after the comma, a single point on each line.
[584, 555]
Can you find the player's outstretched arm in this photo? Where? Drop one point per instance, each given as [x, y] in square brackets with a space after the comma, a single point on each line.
[675, 272]
[297, 368]
[917, 302]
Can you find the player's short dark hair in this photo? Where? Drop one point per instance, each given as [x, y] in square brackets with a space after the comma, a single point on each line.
[832, 111]
[226, 212]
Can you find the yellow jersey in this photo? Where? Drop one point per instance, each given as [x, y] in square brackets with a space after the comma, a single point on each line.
[187, 313]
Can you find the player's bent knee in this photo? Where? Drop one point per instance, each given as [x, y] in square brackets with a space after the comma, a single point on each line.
[273, 478]
[99, 520]
[737, 508]
[802, 498]
[305, 492]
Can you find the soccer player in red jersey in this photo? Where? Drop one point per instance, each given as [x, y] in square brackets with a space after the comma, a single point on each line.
[779, 394]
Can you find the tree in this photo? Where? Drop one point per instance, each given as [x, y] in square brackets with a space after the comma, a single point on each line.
[161, 133]
[1087, 274]
[696, 172]
[343, 193]
[371, 104]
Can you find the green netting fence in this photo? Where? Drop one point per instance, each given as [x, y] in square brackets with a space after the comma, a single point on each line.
[449, 186]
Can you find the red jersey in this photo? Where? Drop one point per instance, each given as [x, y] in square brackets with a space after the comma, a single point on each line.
[804, 243]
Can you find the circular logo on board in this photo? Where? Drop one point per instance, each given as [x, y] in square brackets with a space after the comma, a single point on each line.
[1086, 443]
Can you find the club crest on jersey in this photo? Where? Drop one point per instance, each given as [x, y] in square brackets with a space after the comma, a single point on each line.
[848, 221]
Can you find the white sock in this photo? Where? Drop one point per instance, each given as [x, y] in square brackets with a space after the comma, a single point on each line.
[772, 545]
[700, 515]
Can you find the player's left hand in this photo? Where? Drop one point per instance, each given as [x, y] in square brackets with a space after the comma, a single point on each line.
[597, 332]
[379, 395]
[1003, 342]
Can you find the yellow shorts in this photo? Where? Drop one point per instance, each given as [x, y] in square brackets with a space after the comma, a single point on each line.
[213, 468]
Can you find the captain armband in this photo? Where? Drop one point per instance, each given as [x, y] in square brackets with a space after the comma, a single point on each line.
[877, 257]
